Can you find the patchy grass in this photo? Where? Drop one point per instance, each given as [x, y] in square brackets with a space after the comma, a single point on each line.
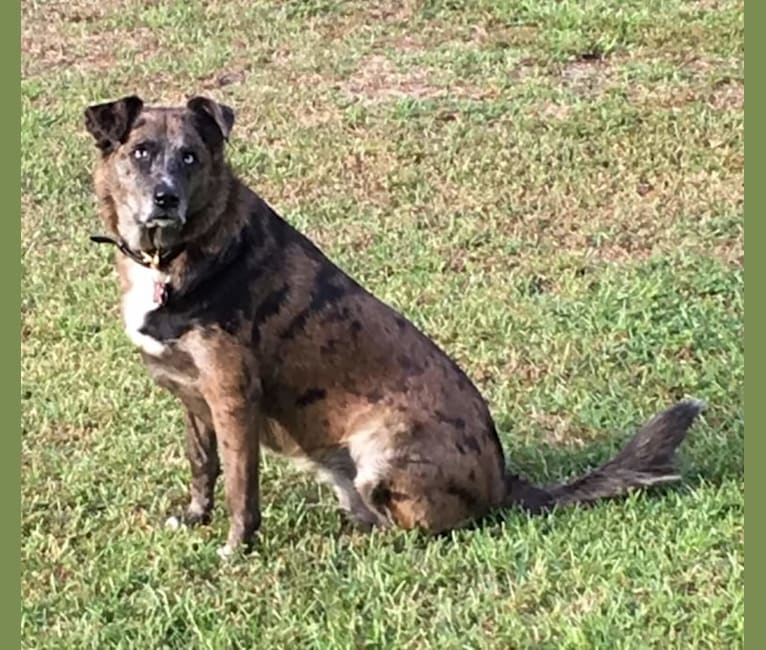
[552, 190]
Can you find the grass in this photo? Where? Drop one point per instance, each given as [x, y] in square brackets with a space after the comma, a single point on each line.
[552, 190]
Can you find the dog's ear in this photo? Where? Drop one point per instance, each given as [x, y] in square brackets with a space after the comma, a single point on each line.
[213, 113]
[110, 123]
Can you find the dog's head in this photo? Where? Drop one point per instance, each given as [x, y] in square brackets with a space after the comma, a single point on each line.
[158, 165]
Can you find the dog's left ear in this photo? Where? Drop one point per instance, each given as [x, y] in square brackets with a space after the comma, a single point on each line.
[220, 114]
[110, 123]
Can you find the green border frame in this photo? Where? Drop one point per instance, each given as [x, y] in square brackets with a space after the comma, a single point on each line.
[754, 225]
[11, 338]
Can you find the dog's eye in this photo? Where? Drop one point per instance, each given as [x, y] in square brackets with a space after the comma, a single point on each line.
[189, 158]
[140, 153]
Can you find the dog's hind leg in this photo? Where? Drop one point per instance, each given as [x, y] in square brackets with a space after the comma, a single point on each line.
[338, 470]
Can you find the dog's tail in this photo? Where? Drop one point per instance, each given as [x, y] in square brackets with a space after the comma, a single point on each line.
[648, 459]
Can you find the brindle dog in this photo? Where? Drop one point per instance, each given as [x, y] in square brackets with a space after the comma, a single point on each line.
[267, 343]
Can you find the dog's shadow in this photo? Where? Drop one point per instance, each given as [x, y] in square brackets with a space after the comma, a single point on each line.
[712, 453]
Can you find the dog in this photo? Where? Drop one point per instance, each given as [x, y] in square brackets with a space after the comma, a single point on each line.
[267, 343]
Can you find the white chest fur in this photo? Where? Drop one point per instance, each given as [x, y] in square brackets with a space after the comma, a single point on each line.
[137, 302]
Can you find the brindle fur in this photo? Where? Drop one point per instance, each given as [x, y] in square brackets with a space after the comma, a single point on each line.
[267, 343]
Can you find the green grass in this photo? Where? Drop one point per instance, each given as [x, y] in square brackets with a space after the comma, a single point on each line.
[553, 190]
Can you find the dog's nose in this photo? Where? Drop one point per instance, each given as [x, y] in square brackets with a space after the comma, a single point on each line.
[165, 198]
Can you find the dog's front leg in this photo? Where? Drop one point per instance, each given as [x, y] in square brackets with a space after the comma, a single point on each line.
[236, 425]
[230, 385]
[202, 453]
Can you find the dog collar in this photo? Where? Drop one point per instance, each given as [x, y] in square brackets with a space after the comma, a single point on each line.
[149, 260]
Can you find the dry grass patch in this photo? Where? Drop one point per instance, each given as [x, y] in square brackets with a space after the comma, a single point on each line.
[586, 76]
[728, 95]
[66, 36]
[378, 79]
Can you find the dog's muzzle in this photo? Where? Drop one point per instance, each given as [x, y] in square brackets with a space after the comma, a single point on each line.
[167, 211]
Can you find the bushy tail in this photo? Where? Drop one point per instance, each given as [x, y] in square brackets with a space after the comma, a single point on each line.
[648, 459]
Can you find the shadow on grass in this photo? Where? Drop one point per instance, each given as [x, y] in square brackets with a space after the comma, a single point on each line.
[708, 455]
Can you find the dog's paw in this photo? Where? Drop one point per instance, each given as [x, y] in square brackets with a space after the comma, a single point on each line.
[194, 517]
[227, 552]
[237, 549]
[174, 523]
[190, 518]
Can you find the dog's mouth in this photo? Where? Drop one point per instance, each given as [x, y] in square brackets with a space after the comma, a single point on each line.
[161, 219]
[161, 231]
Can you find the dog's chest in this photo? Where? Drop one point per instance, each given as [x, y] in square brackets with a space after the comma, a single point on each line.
[141, 298]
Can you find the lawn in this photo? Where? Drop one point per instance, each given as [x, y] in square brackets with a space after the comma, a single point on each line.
[553, 190]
